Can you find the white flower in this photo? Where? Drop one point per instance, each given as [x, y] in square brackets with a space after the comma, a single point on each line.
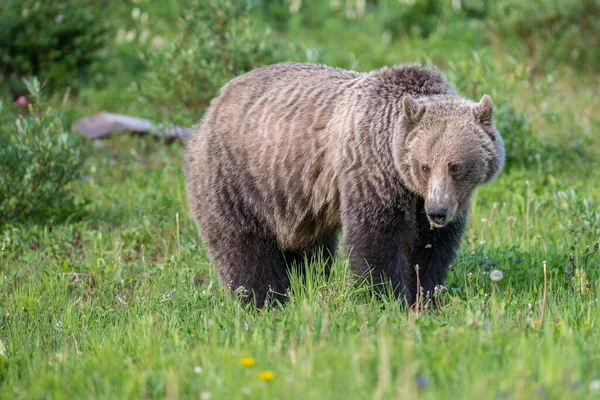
[157, 42]
[130, 36]
[595, 385]
[205, 396]
[135, 13]
[496, 275]
[197, 369]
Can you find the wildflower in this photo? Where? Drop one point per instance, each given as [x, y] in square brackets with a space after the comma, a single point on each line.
[590, 285]
[595, 385]
[560, 325]
[569, 276]
[483, 261]
[197, 369]
[266, 376]
[205, 396]
[496, 275]
[494, 264]
[135, 13]
[487, 269]
[422, 381]
[518, 261]
[247, 361]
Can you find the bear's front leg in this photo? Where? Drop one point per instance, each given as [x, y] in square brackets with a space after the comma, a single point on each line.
[433, 250]
[373, 237]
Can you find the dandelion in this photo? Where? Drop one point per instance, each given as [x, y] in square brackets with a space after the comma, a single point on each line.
[197, 369]
[496, 275]
[247, 361]
[266, 376]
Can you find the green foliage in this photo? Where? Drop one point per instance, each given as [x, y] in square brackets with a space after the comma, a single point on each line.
[59, 41]
[217, 41]
[565, 31]
[38, 160]
[418, 18]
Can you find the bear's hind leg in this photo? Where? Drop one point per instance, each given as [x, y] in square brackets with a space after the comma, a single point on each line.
[253, 262]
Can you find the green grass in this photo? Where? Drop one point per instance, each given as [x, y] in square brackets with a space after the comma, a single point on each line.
[124, 302]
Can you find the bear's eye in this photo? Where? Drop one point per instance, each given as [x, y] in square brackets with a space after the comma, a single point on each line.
[454, 169]
[426, 171]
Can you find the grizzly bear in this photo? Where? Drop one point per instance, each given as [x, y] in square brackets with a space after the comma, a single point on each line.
[290, 154]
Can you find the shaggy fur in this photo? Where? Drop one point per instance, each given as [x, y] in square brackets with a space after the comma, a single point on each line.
[289, 154]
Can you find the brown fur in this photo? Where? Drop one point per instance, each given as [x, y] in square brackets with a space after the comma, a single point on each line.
[289, 154]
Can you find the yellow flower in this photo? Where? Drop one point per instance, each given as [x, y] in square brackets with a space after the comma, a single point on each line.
[560, 325]
[247, 361]
[266, 376]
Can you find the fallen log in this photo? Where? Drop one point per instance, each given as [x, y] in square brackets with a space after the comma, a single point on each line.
[103, 124]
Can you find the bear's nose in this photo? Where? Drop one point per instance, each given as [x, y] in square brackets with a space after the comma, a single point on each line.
[438, 216]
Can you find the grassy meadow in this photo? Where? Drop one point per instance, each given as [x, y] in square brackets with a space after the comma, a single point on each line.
[117, 298]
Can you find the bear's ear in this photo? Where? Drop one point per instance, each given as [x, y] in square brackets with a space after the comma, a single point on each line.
[413, 111]
[483, 113]
[484, 110]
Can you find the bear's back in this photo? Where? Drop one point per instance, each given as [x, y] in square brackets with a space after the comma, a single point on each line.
[272, 144]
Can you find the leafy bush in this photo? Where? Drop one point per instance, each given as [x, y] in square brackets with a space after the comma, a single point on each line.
[566, 31]
[38, 159]
[398, 17]
[217, 41]
[411, 18]
[59, 41]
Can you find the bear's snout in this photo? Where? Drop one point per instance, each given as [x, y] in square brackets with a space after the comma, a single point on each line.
[440, 204]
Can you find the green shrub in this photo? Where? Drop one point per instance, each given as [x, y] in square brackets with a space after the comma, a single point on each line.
[418, 18]
[217, 41]
[59, 41]
[398, 17]
[38, 160]
[562, 31]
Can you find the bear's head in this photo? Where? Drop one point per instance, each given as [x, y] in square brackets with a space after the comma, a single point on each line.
[445, 148]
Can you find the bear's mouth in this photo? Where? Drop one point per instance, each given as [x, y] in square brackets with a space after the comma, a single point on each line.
[437, 221]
